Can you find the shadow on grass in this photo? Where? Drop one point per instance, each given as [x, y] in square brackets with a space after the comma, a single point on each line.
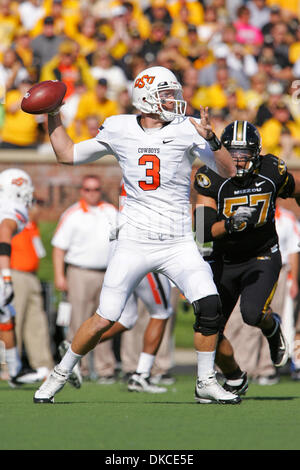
[157, 403]
[270, 398]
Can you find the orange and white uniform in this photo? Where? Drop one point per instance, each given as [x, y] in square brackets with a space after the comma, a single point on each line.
[10, 209]
[155, 226]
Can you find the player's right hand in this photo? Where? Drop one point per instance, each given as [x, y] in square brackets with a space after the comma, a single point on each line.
[8, 290]
[239, 220]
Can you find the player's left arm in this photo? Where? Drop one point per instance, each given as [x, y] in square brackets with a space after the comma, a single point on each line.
[8, 228]
[296, 192]
[225, 165]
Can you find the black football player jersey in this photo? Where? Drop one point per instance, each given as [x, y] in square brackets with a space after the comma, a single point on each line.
[260, 191]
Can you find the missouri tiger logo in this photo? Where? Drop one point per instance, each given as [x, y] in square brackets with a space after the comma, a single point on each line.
[203, 180]
[140, 82]
[281, 167]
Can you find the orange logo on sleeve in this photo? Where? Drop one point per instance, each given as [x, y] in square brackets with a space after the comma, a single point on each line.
[140, 82]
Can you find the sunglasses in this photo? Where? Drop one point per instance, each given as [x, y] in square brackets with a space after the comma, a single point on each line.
[88, 190]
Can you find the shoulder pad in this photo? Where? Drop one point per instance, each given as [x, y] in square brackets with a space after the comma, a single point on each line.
[273, 166]
[206, 181]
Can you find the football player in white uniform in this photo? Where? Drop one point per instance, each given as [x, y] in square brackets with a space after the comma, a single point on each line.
[16, 192]
[156, 151]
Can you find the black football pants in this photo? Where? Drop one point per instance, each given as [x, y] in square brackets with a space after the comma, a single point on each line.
[254, 281]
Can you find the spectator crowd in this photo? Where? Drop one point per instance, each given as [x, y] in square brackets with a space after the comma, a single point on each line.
[241, 58]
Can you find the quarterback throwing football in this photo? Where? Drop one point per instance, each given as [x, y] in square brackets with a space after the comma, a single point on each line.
[156, 151]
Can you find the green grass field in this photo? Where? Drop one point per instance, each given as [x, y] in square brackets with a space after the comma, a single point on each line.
[98, 417]
[108, 417]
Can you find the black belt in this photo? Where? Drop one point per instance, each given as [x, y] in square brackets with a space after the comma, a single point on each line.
[267, 252]
[99, 270]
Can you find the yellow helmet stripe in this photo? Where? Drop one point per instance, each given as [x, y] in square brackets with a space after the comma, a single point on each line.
[239, 131]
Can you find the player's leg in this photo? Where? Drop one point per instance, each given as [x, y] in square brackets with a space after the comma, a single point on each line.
[236, 380]
[193, 276]
[12, 358]
[18, 374]
[120, 280]
[126, 321]
[164, 360]
[154, 291]
[227, 279]
[116, 329]
[140, 380]
[258, 287]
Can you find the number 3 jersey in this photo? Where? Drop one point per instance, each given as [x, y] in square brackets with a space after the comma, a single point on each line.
[259, 191]
[156, 166]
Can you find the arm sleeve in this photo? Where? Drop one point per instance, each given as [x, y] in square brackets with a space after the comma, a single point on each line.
[287, 187]
[205, 154]
[89, 151]
[204, 217]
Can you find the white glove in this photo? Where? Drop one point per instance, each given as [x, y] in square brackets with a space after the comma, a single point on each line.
[7, 287]
[239, 218]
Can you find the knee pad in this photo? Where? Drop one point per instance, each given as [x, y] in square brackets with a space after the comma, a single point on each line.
[208, 315]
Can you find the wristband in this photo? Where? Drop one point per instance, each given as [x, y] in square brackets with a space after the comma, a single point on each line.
[5, 249]
[55, 112]
[6, 275]
[228, 225]
[214, 143]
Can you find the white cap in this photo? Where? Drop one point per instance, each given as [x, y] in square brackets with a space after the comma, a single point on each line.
[275, 88]
[221, 51]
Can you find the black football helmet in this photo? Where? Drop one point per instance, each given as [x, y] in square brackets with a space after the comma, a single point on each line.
[243, 141]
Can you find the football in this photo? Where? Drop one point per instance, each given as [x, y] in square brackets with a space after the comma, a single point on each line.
[44, 97]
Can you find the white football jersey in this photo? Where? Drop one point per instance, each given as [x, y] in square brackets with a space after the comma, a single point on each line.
[288, 231]
[16, 211]
[156, 167]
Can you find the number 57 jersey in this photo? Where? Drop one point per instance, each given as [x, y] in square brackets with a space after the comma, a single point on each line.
[156, 165]
[258, 191]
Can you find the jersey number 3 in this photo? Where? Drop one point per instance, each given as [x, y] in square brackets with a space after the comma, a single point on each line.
[153, 172]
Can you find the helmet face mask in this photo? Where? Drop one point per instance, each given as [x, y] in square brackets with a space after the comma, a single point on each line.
[243, 142]
[16, 185]
[243, 160]
[156, 90]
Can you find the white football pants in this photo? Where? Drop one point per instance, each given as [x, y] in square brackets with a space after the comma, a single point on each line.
[176, 258]
[155, 292]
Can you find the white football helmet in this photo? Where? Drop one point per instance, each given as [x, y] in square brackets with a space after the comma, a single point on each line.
[150, 93]
[16, 184]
